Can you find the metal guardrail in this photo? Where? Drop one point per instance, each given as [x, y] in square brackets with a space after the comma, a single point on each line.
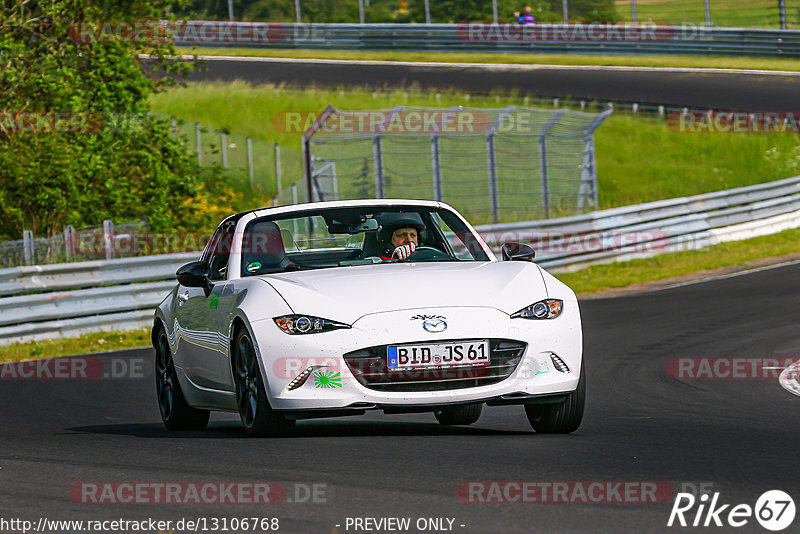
[483, 37]
[111, 300]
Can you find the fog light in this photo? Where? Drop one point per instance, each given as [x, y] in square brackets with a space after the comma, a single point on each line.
[559, 364]
[300, 379]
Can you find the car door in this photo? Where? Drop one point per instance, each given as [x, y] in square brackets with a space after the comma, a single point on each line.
[203, 349]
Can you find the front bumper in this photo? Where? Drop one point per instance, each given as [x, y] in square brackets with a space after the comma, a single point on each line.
[534, 379]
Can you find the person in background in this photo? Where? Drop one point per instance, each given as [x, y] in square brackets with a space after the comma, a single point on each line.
[528, 17]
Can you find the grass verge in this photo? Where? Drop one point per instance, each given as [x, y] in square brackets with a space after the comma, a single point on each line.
[719, 62]
[584, 282]
[72, 346]
[666, 266]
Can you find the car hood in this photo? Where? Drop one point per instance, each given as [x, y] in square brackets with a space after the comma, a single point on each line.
[348, 293]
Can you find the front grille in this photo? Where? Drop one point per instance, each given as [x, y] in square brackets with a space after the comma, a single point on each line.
[369, 368]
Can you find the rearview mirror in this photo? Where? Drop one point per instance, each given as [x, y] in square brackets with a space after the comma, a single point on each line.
[195, 274]
[517, 252]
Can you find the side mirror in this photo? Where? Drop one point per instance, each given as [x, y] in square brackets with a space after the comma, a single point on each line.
[195, 274]
[517, 252]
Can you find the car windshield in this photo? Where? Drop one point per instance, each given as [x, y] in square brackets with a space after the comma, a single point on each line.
[342, 237]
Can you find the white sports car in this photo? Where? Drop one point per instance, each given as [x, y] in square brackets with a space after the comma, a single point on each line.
[307, 311]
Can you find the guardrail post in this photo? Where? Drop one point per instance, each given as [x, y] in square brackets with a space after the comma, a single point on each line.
[108, 238]
[436, 165]
[250, 171]
[224, 142]
[377, 160]
[69, 241]
[27, 246]
[278, 167]
[198, 142]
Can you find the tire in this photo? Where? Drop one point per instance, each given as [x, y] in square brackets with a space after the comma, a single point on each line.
[175, 411]
[258, 417]
[561, 418]
[464, 414]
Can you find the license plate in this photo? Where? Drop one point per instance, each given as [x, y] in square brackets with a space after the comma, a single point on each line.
[438, 355]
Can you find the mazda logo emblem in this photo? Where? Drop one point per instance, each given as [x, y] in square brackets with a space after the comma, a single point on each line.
[432, 323]
[434, 326]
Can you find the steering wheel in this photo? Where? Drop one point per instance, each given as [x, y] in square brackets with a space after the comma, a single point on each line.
[432, 253]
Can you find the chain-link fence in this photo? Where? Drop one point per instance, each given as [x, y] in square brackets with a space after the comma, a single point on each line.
[82, 244]
[251, 162]
[505, 164]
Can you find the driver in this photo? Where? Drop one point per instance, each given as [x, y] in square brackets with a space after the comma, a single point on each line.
[400, 234]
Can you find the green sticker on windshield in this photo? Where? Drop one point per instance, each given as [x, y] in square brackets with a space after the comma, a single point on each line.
[253, 266]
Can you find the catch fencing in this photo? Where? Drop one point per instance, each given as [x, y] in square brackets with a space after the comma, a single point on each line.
[250, 162]
[512, 163]
[70, 299]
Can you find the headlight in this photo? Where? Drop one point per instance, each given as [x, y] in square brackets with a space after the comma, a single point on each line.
[544, 309]
[306, 324]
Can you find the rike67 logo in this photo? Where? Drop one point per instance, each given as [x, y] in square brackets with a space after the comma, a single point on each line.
[774, 510]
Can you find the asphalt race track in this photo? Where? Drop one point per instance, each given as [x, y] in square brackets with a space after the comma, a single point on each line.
[741, 435]
[704, 90]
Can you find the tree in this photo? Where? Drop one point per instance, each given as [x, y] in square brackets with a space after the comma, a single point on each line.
[77, 144]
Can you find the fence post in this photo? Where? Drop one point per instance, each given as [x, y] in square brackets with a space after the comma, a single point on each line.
[250, 172]
[108, 238]
[377, 158]
[543, 175]
[492, 164]
[781, 13]
[69, 241]
[174, 129]
[198, 142]
[278, 167]
[436, 165]
[588, 187]
[27, 246]
[545, 186]
[589, 167]
[224, 142]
